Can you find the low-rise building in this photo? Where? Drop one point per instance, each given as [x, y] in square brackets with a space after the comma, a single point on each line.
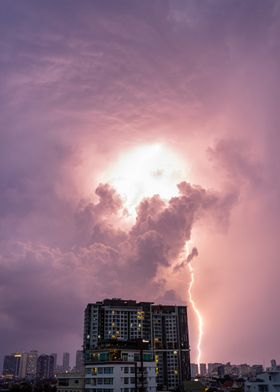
[121, 371]
[213, 368]
[203, 369]
[70, 382]
[265, 382]
[194, 370]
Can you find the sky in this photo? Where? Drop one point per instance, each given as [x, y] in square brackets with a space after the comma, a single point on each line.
[131, 133]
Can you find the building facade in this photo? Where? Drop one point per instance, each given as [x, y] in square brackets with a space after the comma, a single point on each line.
[170, 343]
[70, 382]
[31, 364]
[213, 368]
[45, 367]
[54, 355]
[20, 365]
[12, 365]
[194, 370]
[130, 372]
[203, 369]
[158, 330]
[265, 382]
[79, 365]
[66, 362]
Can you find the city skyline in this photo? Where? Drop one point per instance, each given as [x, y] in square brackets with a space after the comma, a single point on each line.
[139, 158]
[77, 363]
[130, 344]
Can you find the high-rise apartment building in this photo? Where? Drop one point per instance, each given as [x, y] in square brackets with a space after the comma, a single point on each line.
[12, 365]
[170, 342]
[21, 365]
[54, 355]
[116, 329]
[31, 364]
[45, 367]
[66, 362]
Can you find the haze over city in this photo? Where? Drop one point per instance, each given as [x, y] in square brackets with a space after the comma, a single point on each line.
[133, 135]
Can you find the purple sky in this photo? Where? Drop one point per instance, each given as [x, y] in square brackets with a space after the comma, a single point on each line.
[84, 84]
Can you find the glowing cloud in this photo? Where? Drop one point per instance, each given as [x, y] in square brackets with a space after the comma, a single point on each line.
[145, 171]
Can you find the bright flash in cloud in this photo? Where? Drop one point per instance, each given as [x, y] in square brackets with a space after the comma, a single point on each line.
[146, 171]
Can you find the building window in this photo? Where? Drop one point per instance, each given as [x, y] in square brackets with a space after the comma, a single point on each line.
[108, 370]
[94, 371]
[63, 382]
[108, 381]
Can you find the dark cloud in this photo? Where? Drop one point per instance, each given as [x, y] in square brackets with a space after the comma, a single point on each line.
[193, 254]
[39, 283]
[189, 258]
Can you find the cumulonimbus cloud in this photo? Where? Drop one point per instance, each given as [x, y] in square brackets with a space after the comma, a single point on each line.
[113, 260]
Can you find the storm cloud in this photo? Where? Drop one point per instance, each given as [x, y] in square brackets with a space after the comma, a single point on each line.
[82, 84]
[39, 282]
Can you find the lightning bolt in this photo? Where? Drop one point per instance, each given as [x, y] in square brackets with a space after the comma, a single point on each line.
[197, 313]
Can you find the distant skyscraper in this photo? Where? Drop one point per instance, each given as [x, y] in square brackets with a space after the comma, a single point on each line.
[31, 364]
[45, 367]
[54, 355]
[79, 361]
[163, 330]
[23, 365]
[66, 362]
[11, 366]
